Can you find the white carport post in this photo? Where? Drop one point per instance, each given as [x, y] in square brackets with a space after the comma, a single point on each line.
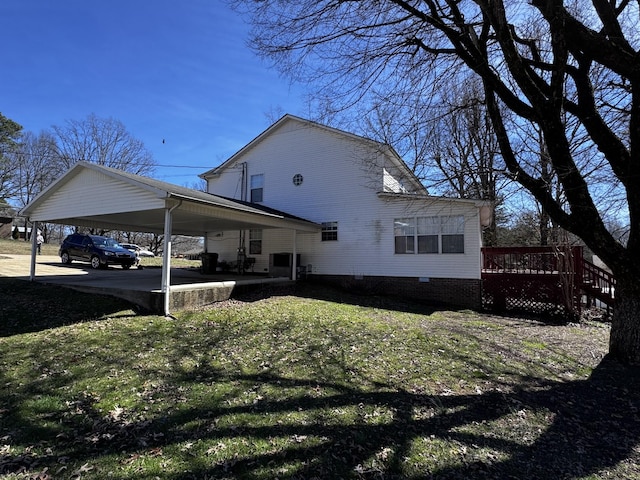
[34, 248]
[166, 257]
[294, 261]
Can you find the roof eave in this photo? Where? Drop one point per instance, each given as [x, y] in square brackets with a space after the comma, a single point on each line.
[420, 196]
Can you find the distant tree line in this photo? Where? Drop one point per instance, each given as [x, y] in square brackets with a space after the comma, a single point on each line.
[29, 162]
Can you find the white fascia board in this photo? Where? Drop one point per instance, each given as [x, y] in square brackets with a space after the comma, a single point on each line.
[409, 196]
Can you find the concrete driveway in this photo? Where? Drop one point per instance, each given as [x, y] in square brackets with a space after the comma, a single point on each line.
[49, 269]
[189, 288]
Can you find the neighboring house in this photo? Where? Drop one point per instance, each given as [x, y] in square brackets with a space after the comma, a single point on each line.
[381, 231]
[18, 233]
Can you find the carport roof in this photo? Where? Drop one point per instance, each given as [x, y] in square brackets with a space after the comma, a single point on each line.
[96, 196]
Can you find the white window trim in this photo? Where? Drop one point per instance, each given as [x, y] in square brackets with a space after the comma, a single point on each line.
[329, 228]
[255, 235]
[445, 225]
[255, 185]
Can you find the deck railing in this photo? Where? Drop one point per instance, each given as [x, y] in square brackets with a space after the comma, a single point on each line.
[553, 278]
[599, 286]
[531, 260]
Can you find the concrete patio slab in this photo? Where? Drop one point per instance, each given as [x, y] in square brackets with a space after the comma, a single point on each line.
[189, 288]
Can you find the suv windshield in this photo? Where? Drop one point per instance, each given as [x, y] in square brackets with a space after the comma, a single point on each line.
[104, 242]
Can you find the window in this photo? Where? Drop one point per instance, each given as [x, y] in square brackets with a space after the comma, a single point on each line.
[257, 187]
[404, 230]
[255, 242]
[428, 230]
[453, 234]
[430, 234]
[298, 179]
[329, 231]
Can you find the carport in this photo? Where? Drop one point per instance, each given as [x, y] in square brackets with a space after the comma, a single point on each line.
[96, 196]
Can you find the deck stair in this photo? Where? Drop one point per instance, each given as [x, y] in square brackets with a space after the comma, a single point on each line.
[598, 286]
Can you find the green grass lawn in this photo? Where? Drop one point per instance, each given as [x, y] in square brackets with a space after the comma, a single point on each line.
[20, 247]
[316, 384]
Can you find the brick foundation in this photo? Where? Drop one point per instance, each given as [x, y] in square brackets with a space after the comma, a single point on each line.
[450, 292]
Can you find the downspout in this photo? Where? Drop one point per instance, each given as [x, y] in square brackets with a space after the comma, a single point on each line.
[244, 187]
[243, 182]
[166, 258]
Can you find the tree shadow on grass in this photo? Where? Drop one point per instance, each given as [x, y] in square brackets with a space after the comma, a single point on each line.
[32, 307]
[592, 426]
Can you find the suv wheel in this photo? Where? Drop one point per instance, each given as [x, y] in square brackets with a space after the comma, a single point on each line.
[95, 262]
[65, 258]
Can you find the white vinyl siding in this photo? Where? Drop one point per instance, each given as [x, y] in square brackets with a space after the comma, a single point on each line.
[338, 186]
[366, 247]
[94, 193]
[335, 171]
[391, 183]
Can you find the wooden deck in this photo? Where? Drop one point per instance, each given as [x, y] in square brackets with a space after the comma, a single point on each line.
[553, 281]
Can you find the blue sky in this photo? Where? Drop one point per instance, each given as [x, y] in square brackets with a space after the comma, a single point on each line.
[178, 71]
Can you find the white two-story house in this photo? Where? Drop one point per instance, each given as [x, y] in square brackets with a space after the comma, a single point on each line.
[379, 229]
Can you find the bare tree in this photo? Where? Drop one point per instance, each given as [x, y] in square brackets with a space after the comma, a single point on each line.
[35, 164]
[449, 146]
[466, 153]
[575, 69]
[104, 141]
[10, 132]
[200, 185]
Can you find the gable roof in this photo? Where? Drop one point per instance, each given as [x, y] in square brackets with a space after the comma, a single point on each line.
[387, 149]
[97, 196]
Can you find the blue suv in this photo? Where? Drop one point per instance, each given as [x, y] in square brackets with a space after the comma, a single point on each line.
[99, 251]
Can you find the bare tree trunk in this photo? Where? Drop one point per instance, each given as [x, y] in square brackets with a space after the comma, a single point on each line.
[490, 235]
[547, 177]
[624, 341]
[544, 227]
